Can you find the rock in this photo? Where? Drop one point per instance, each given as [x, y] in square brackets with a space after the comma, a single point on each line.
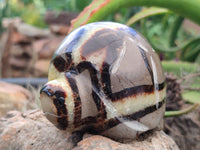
[61, 18]
[98, 142]
[24, 30]
[20, 38]
[19, 63]
[32, 31]
[155, 140]
[59, 29]
[13, 97]
[40, 44]
[46, 47]
[18, 50]
[31, 130]
[41, 67]
[7, 21]
[185, 130]
[27, 49]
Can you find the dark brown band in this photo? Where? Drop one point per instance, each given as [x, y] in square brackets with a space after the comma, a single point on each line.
[133, 91]
[95, 85]
[92, 124]
[146, 62]
[77, 100]
[130, 117]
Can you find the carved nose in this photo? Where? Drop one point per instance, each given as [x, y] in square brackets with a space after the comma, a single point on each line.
[48, 107]
[47, 91]
[52, 97]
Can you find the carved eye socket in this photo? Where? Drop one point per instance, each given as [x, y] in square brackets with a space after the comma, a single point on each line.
[60, 64]
[59, 102]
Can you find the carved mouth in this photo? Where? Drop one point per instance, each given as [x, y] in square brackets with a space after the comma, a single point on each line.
[48, 107]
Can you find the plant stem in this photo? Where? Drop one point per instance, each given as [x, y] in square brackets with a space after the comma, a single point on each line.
[181, 112]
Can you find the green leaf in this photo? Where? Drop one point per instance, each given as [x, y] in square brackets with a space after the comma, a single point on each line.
[191, 96]
[174, 30]
[161, 48]
[99, 9]
[80, 4]
[147, 13]
[191, 52]
[85, 14]
[179, 68]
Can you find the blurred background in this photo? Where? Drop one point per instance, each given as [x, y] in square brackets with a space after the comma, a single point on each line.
[31, 30]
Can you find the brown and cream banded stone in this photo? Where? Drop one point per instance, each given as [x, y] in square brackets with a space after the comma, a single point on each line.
[105, 78]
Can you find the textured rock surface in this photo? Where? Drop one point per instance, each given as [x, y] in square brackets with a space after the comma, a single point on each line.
[13, 97]
[32, 131]
[157, 140]
[185, 130]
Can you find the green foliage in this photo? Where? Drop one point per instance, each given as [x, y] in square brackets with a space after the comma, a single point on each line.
[172, 40]
[191, 96]
[81, 4]
[27, 11]
[33, 17]
[164, 32]
[67, 5]
[180, 68]
[105, 7]
[32, 11]
[146, 12]
[3, 8]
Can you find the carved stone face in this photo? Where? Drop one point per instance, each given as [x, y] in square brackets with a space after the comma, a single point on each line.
[105, 78]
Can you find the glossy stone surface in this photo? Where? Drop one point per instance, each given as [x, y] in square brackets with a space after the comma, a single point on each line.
[105, 78]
